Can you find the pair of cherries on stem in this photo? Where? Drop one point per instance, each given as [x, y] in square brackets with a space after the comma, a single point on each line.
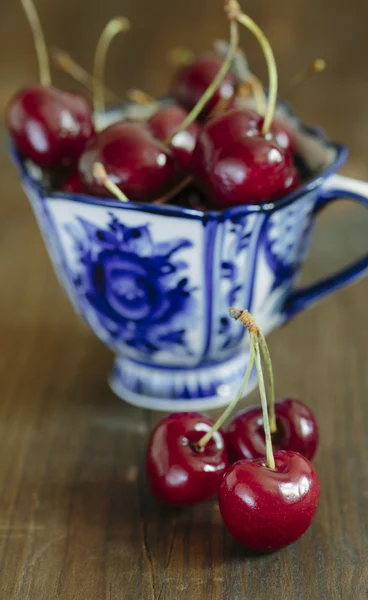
[266, 500]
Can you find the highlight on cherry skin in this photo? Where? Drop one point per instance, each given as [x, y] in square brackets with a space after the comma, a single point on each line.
[164, 124]
[297, 430]
[265, 509]
[179, 472]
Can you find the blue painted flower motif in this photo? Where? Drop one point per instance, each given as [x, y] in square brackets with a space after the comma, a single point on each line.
[287, 239]
[135, 285]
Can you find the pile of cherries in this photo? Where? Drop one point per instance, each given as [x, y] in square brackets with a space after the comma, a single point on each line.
[264, 506]
[223, 154]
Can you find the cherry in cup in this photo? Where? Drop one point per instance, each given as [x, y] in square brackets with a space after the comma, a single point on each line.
[295, 429]
[165, 123]
[141, 166]
[191, 81]
[49, 126]
[180, 471]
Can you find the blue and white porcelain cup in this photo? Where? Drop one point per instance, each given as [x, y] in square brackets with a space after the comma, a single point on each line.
[155, 282]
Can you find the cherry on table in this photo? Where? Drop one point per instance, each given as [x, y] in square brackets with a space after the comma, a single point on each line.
[297, 430]
[191, 81]
[138, 163]
[165, 122]
[178, 471]
[266, 509]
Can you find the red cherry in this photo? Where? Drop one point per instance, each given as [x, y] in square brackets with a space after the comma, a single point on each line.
[73, 184]
[250, 170]
[165, 122]
[297, 430]
[264, 509]
[140, 165]
[48, 126]
[190, 83]
[234, 165]
[178, 472]
[281, 134]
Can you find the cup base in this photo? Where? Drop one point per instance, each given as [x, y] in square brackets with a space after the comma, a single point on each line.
[203, 387]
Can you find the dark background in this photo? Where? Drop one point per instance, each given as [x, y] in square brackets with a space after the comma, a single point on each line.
[77, 521]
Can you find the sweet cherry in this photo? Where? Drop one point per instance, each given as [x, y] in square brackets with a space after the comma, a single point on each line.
[179, 472]
[244, 169]
[267, 509]
[165, 122]
[140, 165]
[48, 126]
[191, 81]
[297, 430]
[73, 184]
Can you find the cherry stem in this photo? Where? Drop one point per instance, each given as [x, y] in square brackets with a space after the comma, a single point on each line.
[247, 22]
[248, 82]
[317, 66]
[175, 190]
[102, 178]
[179, 56]
[271, 381]
[140, 97]
[39, 42]
[266, 424]
[258, 93]
[226, 414]
[113, 27]
[233, 44]
[66, 63]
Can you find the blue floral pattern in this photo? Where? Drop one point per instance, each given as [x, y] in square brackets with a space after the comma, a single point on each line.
[287, 238]
[138, 290]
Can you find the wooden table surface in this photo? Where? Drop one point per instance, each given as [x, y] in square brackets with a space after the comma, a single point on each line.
[77, 521]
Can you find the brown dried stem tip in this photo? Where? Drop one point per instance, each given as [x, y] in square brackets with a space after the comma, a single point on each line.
[245, 318]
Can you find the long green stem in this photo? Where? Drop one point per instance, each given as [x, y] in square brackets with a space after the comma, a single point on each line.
[99, 173]
[39, 42]
[206, 438]
[233, 45]
[271, 381]
[113, 27]
[66, 63]
[247, 22]
[269, 452]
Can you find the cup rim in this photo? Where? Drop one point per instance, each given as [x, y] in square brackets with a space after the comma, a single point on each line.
[191, 213]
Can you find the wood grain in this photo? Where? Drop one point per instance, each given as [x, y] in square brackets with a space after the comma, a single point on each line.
[77, 521]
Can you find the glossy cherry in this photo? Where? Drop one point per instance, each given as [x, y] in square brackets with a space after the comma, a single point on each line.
[297, 430]
[165, 122]
[281, 134]
[73, 184]
[178, 472]
[191, 81]
[49, 126]
[139, 164]
[266, 509]
[248, 170]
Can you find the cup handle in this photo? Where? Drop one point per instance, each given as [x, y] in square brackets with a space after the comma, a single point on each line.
[335, 188]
